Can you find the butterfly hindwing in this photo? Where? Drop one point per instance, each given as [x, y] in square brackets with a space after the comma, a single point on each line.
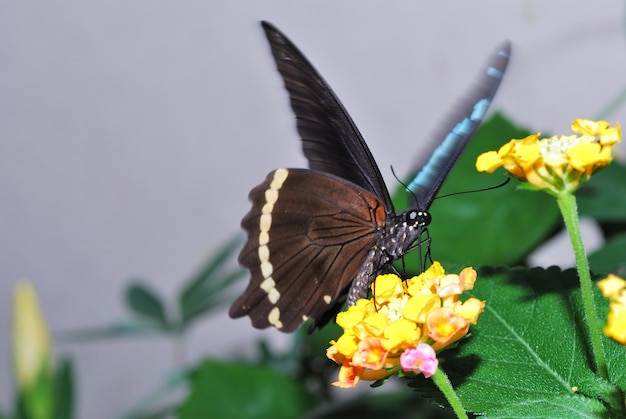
[308, 234]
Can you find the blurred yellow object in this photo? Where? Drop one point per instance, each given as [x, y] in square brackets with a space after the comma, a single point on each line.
[31, 338]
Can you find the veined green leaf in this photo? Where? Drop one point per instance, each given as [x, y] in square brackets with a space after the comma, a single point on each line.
[528, 356]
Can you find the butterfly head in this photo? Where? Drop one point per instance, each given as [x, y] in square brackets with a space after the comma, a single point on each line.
[403, 230]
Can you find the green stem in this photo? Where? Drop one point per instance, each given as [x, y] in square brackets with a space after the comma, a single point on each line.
[567, 205]
[441, 380]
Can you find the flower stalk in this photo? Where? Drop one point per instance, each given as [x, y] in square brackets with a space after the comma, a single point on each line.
[567, 205]
[440, 378]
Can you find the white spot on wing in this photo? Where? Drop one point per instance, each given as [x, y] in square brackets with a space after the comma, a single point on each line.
[273, 295]
[327, 299]
[265, 224]
[271, 196]
[267, 209]
[268, 285]
[264, 253]
[279, 178]
[274, 318]
[267, 270]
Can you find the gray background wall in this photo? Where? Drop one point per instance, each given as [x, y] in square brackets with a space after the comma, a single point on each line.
[131, 132]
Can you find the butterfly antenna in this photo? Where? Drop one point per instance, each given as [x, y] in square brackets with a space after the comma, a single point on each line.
[406, 188]
[508, 179]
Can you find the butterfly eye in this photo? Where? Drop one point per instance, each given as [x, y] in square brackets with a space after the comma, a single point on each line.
[418, 218]
[424, 218]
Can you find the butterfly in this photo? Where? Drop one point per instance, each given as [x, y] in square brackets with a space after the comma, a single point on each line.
[316, 234]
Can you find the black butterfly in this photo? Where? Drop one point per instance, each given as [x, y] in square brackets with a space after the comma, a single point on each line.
[314, 233]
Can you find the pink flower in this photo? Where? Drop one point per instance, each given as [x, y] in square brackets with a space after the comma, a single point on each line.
[421, 358]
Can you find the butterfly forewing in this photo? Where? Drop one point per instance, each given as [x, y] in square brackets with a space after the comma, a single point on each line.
[457, 130]
[308, 234]
[330, 139]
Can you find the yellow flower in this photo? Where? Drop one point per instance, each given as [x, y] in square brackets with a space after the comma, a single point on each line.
[419, 306]
[345, 346]
[558, 164]
[372, 325]
[403, 317]
[351, 318]
[614, 288]
[387, 288]
[470, 309]
[400, 335]
[31, 339]
[602, 129]
[616, 323]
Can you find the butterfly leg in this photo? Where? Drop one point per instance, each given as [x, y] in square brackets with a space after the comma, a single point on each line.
[420, 244]
[427, 241]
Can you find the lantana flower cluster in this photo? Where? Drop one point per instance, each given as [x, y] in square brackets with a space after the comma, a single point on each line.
[403, 325]
[614, 288]
[558, 164]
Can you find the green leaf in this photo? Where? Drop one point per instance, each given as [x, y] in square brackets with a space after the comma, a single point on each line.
[146, 303]
[209, 289]
[604, 197]
[64, 390]
[238, 390]
[466, 227]
[528, 356]
[610, 258]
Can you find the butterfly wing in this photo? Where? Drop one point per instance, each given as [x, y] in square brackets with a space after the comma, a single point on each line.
[331, 141]
[308, 235]
[459, 129]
